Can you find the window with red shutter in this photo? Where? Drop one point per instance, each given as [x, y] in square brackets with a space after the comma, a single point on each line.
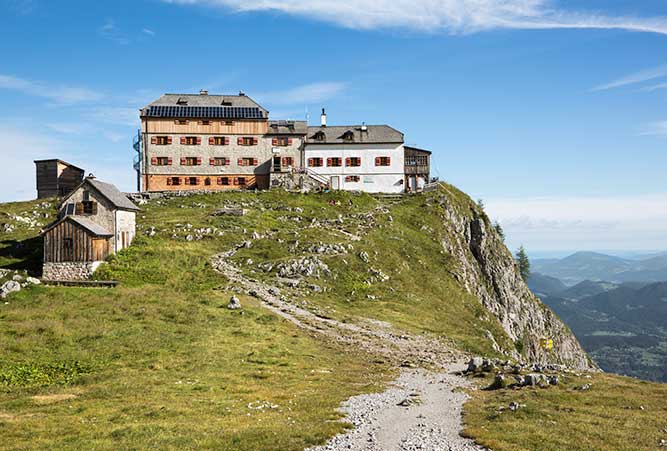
[255, 141]
[169, 161]
[329, 161]
[274, 142]
[154, 140]
[187, 180]
[169, 140]
[183, 140]
[211, 141]
[289, 142]
[184, 161]
[168, 180]
[255, 161]
[211, 161]
[388, 161]
[226, 141]
[240, 162]
[154, 161]
[198, 161]
[239, 141]
[310, 162]
[348, 162]
[198, 140]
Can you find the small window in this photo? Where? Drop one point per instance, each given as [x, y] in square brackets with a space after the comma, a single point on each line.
[191, 140]
[219, 161]
[204, 122]
[224, 181]
[334, 162]
[382, 161]
[228, 123]
[353, 162]
[241, 181]
[175, 181]
[348, 136]
[248, 141]
[68, 244]
[319, 136]
[162, 140]
[89, 207]
[190, 161]
[352, 178]
[191, 180]
[86, 196]
[248, 161]
[162, 161]
[181, 122]
[218, 141]
[207, 181]
[315, 162]
[288, 161]
[282, 141]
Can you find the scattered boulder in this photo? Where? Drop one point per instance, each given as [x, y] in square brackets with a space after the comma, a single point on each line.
[234, 303]
[499, 382]
[11, 286]
[33, 281]
[533, 379]
[475, 365]
[364, 257]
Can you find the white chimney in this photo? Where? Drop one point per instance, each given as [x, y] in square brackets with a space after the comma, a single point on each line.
[324, 118]
[203, 92]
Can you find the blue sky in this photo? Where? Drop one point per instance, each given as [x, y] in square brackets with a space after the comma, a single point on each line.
[553, 112]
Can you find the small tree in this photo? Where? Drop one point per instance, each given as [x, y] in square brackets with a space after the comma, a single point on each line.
[523, 263]
[499, 230]
[480, 204]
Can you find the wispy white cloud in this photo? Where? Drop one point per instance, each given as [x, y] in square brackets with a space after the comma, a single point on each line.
[112, 33]
[454, 16]
[148, 32]
[623, 222]
[654, 87]
[304, 94]
[654, 128]
[636, 78]
[58, 93]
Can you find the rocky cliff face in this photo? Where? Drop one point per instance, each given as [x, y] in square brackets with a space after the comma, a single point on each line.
[487, 270]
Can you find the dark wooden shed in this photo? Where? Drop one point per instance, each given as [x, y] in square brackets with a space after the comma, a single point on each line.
[56, 178]
[75, 239]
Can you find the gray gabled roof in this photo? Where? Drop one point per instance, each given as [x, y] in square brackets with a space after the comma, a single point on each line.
[288, 128]
[118, 199]
[58, 160]
[373, 134]
[195, 105]
[86, 223]
[109, 191]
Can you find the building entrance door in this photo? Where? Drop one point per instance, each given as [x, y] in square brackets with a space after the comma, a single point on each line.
[276, 164]
[335, 182]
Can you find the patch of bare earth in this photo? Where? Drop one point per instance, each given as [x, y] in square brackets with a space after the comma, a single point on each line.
[52, 399]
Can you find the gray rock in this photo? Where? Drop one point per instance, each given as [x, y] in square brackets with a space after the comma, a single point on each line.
[17, 278]
[234, 303]
[475, 365]
[553, 380]
[33, 281]
[11, 286]
[364, 257]
[533, 379]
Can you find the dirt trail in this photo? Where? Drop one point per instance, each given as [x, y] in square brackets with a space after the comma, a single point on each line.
[421, 410]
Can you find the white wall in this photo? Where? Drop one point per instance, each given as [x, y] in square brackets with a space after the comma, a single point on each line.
[373, 179]
[125, 222]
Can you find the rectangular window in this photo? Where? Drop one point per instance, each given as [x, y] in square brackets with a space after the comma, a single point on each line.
[218, 141]
[191, 161]
[247, 141]
[161, 161]
[204, 122]
[89, 207]
[191, 180]
[190, 140]
[282, 141]
[248, 161]
[220, 161]
[352, 178]
[223, 181]
[288, 161]
[174, 181]
[228, 123]
[315, 162]
[353, 162]
[241, 181]
[382, 161]
[334, 162]
[181, 122]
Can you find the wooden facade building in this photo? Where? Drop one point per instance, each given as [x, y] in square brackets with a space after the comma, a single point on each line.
[56, 178]
[417, 168]
[76, 239]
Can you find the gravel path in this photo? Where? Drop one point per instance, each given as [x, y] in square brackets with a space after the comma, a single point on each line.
[420, 411]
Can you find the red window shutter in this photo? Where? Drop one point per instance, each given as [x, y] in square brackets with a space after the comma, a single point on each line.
[236, 181]
[255, 141]
[187, 180]
[198, 161]
[169, 161]
[388, 161]
[211, 161]
[154, 140]
[196, 180]
[183, 161]
[377, 161]
[274, 141]
[153, 161]
[211, 141]
[289, 142]
[329, 161]
[240, 141]
[168, 180]
[183, 141]
[218, 180]
[228, 161]
[198, 140]
[255, 161]
[240, 162]
[226, 140]
[169, 140]
[348, 162]
[310, 162]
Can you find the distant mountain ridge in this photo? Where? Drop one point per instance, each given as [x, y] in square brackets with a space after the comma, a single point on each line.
[595, 266]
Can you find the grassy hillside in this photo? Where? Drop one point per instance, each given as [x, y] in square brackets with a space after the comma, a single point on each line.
[160, 363]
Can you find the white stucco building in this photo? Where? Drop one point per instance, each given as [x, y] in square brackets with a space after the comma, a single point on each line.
[368, 158]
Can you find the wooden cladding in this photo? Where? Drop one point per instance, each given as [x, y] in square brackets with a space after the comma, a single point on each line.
[69, 242]
[170, 126]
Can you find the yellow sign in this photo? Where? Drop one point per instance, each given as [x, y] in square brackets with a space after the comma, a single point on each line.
[547, 343]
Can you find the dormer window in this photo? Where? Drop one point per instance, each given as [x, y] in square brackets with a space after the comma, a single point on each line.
[182, 101]
[348, 136]
[319, 136]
